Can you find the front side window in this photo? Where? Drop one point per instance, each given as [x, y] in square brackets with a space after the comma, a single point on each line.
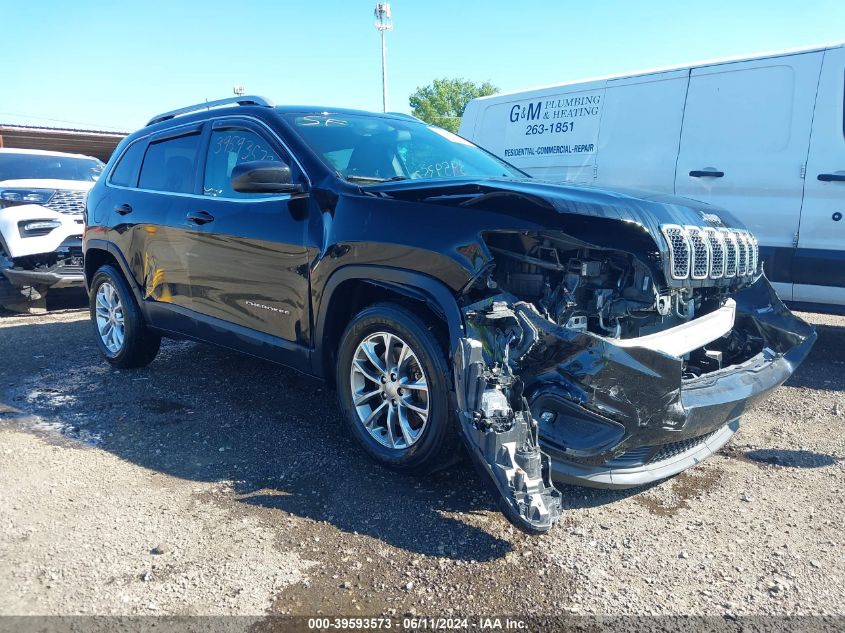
[15, 166]
[230, 147]
[170, 165]
[366, 149]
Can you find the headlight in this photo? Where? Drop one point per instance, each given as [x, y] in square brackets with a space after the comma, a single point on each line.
[9, 197]
[37, 228]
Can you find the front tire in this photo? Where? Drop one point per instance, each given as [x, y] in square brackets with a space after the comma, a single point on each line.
[119, 329]
[394, 389]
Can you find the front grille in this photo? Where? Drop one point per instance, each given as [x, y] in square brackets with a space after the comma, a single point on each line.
[674, 449]
[645, 455]
[67, 201]
[700, 252]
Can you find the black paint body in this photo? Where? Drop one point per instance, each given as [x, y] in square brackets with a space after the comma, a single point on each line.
[295, 259]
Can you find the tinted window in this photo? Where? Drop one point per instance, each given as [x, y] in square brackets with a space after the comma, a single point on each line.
[372, 149]
[230, 147]
[125, 173]
[14, 166]
[170, 165]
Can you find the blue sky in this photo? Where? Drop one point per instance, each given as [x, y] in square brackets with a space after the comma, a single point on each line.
[107, 64]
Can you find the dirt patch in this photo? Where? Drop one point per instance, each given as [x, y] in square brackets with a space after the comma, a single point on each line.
[681, 489]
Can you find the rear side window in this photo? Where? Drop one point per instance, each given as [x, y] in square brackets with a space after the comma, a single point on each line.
[171, 164]
[125, 174]
[230, 147]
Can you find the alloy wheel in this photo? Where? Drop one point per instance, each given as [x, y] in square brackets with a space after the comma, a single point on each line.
[389, 390]
[110, 318]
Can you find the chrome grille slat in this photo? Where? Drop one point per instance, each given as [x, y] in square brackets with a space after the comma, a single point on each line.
[701, 252]
[717, 253]
[67, 201]
[742, 259]
[732, 247]
[679, 250]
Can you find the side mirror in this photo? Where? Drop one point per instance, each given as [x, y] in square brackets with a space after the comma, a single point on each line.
[263, 176]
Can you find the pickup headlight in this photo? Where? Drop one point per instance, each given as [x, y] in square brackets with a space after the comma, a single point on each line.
[11, 197]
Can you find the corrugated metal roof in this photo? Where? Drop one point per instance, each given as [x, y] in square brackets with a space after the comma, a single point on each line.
[99, 143]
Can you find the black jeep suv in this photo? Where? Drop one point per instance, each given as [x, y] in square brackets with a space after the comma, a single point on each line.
[561, 332]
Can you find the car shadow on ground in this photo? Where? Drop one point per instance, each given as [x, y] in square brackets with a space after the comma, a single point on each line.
[273, 436]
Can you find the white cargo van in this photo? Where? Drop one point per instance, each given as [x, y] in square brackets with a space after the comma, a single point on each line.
[763, 137]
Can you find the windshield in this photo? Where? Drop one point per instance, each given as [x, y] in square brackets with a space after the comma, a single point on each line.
[45, 166]
[366, 149]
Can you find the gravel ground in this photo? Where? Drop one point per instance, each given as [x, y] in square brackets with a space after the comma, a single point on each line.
[212, 483]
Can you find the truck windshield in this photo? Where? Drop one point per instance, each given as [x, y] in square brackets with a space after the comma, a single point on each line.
[368, 149]
[15, 166]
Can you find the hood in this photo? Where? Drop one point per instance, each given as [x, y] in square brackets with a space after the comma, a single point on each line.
[649, 210]
[47, 183]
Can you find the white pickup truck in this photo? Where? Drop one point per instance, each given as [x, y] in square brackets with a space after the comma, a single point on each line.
[42, 199]
[763, 137]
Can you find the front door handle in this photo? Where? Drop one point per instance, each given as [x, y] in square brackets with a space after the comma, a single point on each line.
[698, 173]
[123, 209]
[832, 177]
[200, 217]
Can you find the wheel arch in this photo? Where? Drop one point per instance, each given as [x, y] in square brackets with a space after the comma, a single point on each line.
[352, 288]
[101, 252]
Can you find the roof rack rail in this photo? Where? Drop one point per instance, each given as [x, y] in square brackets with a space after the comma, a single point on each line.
[242, 100]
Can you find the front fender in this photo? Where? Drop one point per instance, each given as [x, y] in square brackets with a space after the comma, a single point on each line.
[413, 284]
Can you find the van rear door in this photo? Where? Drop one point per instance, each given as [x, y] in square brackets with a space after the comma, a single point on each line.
[744, 142]
[819, 264]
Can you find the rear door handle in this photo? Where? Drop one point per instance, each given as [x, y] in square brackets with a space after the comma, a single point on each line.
[697, 173]
[832, 177]
[123, 209]
[200, 217]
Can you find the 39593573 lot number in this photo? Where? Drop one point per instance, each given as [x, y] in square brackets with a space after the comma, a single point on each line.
[550, 128]
[376, 623]
[349, 624]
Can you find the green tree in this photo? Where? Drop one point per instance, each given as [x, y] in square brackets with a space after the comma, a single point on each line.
[443, 102]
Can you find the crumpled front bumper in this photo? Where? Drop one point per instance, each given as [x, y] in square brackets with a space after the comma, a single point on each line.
[539, 402]
[641, 420]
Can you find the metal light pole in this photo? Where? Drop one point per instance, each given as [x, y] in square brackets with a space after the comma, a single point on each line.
[384, 22]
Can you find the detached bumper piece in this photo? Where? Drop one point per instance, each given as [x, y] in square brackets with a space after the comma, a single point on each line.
[499, 431]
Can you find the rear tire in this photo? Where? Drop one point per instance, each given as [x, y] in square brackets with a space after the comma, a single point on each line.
[416, 443]
[119, 329]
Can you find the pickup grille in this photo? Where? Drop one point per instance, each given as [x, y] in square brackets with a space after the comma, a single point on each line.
[67, 201]
[710, 253]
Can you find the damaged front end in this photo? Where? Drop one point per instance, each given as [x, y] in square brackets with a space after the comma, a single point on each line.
[584, 365]
[496, 421]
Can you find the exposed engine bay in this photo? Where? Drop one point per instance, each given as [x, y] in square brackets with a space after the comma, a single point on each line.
[609, 293]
